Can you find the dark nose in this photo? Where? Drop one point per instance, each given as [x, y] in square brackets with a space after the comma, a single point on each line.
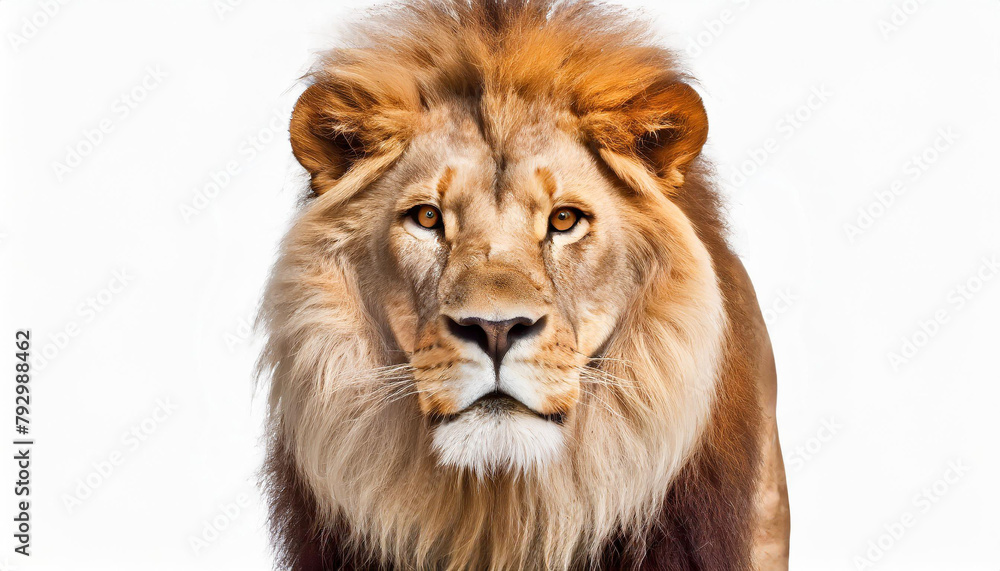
[495, 337]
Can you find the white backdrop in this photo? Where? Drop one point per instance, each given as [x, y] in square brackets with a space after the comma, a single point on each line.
[146, 178]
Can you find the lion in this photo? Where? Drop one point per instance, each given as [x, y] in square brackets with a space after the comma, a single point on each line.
[505, 330]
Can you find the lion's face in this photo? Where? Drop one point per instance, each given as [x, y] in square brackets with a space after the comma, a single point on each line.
[493, 330]
[504, 277]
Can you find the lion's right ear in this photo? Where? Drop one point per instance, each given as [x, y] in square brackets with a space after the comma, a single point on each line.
[337, 126]
[659, 131]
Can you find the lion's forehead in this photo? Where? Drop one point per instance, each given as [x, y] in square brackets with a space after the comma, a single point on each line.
[497, 148]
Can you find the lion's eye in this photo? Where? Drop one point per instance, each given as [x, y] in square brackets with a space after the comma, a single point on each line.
[426, 216]
[563, 219]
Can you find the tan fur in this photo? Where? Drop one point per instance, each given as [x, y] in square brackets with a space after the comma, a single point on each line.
[496, 113]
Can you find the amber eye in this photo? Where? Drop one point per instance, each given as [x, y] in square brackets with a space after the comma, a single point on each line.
[563, 219]
[426, 216]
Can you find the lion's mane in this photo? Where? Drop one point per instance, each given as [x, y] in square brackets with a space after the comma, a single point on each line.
[664, 455]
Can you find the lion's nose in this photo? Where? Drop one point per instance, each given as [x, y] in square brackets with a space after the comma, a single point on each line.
[495, 337]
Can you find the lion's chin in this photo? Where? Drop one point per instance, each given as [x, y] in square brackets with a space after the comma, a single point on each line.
[489, 442]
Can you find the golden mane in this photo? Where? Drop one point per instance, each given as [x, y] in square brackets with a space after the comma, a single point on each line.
[598, 64]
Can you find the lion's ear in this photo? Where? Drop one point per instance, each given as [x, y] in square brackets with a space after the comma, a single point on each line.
[337, 126]
[663, 130]
[672, 145]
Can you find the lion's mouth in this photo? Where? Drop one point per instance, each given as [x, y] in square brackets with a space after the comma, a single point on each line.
[499, 402]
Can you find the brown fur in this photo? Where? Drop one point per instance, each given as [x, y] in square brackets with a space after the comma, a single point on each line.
[504, 84]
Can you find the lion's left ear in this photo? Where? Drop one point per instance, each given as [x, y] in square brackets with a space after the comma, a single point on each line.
[659, 133]
[345, 125]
